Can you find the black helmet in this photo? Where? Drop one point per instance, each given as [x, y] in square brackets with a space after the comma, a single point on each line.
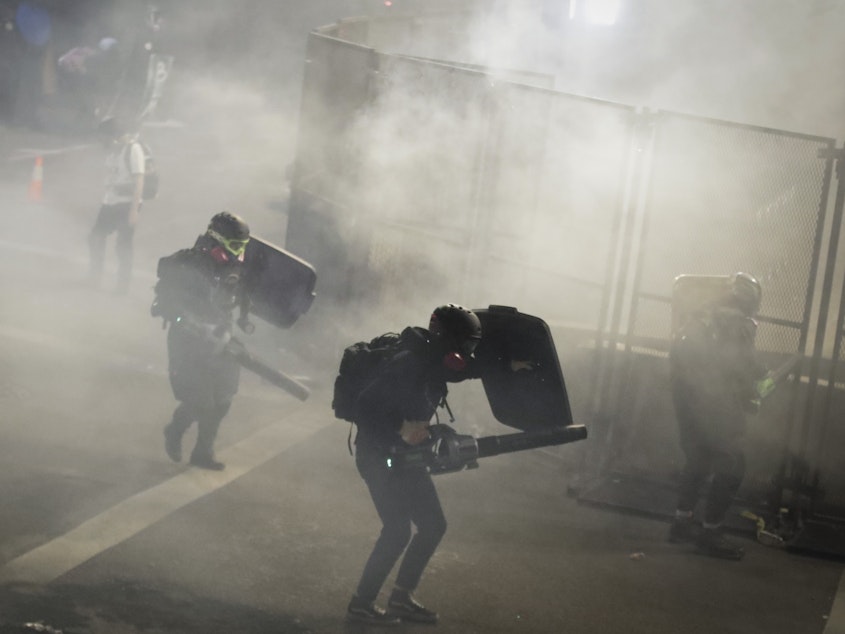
[456, 327]
[745, 293]
[229, 230]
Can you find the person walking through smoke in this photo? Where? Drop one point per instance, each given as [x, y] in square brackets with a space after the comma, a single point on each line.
[394, 410]
[715, 376]
[196, 294]
[122, 200]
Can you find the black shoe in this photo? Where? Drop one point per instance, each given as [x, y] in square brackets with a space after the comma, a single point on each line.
[207, 462]
[682, 530]
[173, 444]
[713, 543]
[403, 605]
[369, 614]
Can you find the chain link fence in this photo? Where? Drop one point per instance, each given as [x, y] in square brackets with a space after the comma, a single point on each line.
[418, 182]
[720, 197]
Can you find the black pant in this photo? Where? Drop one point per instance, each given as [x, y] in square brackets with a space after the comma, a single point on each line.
[112, 218]
[401, 498]
[204, 383]
[208, 421]
[712, 429]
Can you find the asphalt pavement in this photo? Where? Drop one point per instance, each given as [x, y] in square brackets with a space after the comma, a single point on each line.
[101, 533]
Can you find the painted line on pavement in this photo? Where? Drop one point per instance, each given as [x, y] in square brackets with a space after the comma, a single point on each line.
[129, 517]
[836, 618]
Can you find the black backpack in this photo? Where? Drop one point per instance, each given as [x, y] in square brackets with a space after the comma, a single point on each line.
[176, 275]
[150, 190]
[359, 366]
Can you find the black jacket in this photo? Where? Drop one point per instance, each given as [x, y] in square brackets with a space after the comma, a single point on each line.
[410, 386]
[197, 292]
[204, 284]
[713, 354]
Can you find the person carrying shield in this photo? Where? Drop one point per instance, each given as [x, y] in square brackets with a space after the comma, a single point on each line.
[715, 375]
[197, 292]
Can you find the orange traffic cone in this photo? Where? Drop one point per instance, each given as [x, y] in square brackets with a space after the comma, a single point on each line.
[36, 182]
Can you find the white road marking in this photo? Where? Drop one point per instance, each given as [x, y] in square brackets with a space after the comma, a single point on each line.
[836, 618]
[129, 517]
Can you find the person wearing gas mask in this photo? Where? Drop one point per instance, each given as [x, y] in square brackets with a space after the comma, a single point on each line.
[715, 376]
[395, 410]
[121, 204]
[196, 294]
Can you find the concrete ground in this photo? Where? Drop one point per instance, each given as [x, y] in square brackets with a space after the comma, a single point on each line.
[101, 533]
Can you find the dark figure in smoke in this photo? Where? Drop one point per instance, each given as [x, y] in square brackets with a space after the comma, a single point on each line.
[395, 410]
[197, 293]
[122, 200]
[715, 376]
[85, 74]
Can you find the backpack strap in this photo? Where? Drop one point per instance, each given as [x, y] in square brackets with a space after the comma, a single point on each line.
[445, 403]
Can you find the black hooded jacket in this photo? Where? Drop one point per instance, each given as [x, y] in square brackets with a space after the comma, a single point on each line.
[410, 386]
[204, 284]
[713, 356]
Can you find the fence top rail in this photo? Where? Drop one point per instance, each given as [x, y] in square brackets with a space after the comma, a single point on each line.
[484, 71]
[479, 67]
[329, 33]
[775, 321]
[415, 19]
[323, 35]
[830, 142]
[487, 72]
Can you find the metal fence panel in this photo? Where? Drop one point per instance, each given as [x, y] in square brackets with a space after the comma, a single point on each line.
[420, 181]
[420, 142]
[337, 84]
[553, 200]
[526, 183]
[722, 198]
[423, 135]
[726, 197]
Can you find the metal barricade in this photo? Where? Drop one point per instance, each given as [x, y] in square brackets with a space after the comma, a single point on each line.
[420, 181]
[721, 197]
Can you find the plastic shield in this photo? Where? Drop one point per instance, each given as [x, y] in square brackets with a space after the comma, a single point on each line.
[520, 370]
[692, 293]
[280, 285]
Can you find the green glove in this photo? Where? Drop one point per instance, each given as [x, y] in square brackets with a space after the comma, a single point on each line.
[765, 386]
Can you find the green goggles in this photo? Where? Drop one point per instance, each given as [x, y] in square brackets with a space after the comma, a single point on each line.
[235, 246]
